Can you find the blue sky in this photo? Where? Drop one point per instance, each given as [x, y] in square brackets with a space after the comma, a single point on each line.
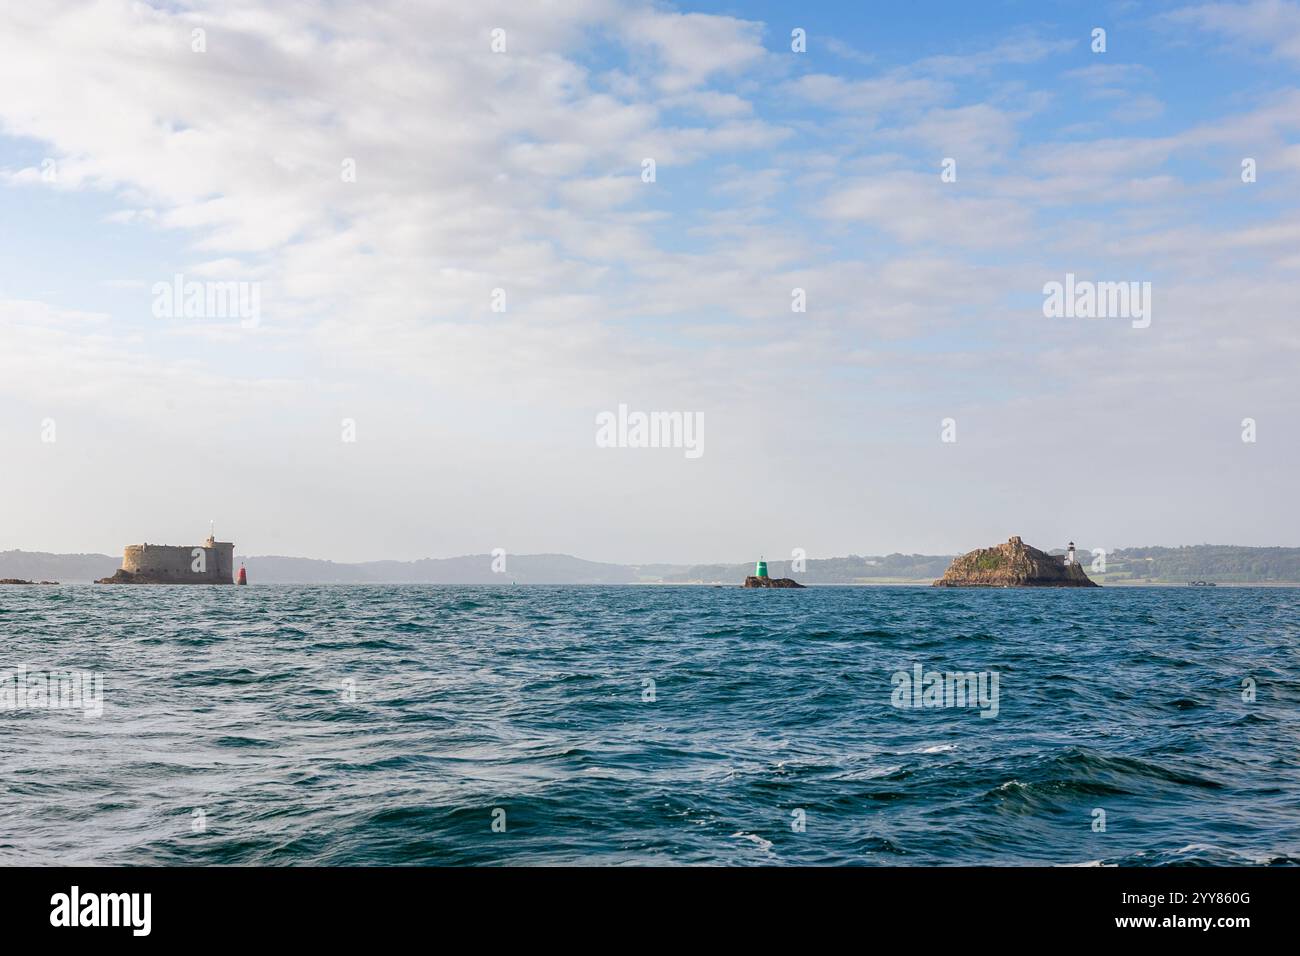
[521, 170]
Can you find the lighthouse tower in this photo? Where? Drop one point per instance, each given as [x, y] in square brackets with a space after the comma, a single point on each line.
[1069, 553]
[760, 569]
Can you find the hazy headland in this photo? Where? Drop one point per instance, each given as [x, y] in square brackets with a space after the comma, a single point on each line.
[1221, 564]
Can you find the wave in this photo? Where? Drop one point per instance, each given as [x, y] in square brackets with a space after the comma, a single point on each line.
[531, 700]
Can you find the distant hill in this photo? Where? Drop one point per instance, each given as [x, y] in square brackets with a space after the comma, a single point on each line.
[1225, 564]
[68, 568]
[467, 569]
[276, 569]
[851, 570]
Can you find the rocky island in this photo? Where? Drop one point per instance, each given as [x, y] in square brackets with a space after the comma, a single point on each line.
[17, 581]
[759, 579]
[210, 563]
[1015, 565]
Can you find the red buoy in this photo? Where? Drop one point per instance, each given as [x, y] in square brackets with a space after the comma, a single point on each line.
[243, 575]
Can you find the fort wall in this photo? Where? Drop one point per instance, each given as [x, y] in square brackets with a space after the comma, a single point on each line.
[176, 564]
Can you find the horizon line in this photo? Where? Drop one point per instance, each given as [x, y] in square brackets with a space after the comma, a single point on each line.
[696, 563]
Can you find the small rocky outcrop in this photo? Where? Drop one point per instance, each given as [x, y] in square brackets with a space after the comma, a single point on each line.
[123, 576]
[17, 581]
[753, 581]
[1013, 565]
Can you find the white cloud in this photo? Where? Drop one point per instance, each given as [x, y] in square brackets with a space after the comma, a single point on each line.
[522, 171]
[918, 208]
[692, 47]
[894, 91]
[1271, 24]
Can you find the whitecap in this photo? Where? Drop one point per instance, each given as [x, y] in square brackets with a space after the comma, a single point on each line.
[753, 838]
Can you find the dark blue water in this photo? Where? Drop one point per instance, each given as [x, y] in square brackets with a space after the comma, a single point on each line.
[392, 725]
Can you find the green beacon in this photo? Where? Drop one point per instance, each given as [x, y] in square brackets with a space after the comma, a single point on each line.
[760, 569]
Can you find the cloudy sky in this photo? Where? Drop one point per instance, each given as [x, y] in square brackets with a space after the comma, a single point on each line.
[375, 171]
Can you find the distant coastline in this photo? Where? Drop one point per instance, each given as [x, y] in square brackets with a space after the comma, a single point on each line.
[1226, 565]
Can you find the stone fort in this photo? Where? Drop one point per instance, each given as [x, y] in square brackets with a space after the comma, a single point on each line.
[172, 564]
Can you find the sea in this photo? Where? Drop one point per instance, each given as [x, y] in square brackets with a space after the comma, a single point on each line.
[531, 725]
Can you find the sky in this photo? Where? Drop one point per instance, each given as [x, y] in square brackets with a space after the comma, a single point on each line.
[454, 260]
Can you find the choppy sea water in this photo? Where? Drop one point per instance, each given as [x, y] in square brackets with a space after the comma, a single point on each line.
[395, 725]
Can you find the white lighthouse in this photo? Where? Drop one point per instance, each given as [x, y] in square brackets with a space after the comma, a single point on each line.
[1069, 553]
